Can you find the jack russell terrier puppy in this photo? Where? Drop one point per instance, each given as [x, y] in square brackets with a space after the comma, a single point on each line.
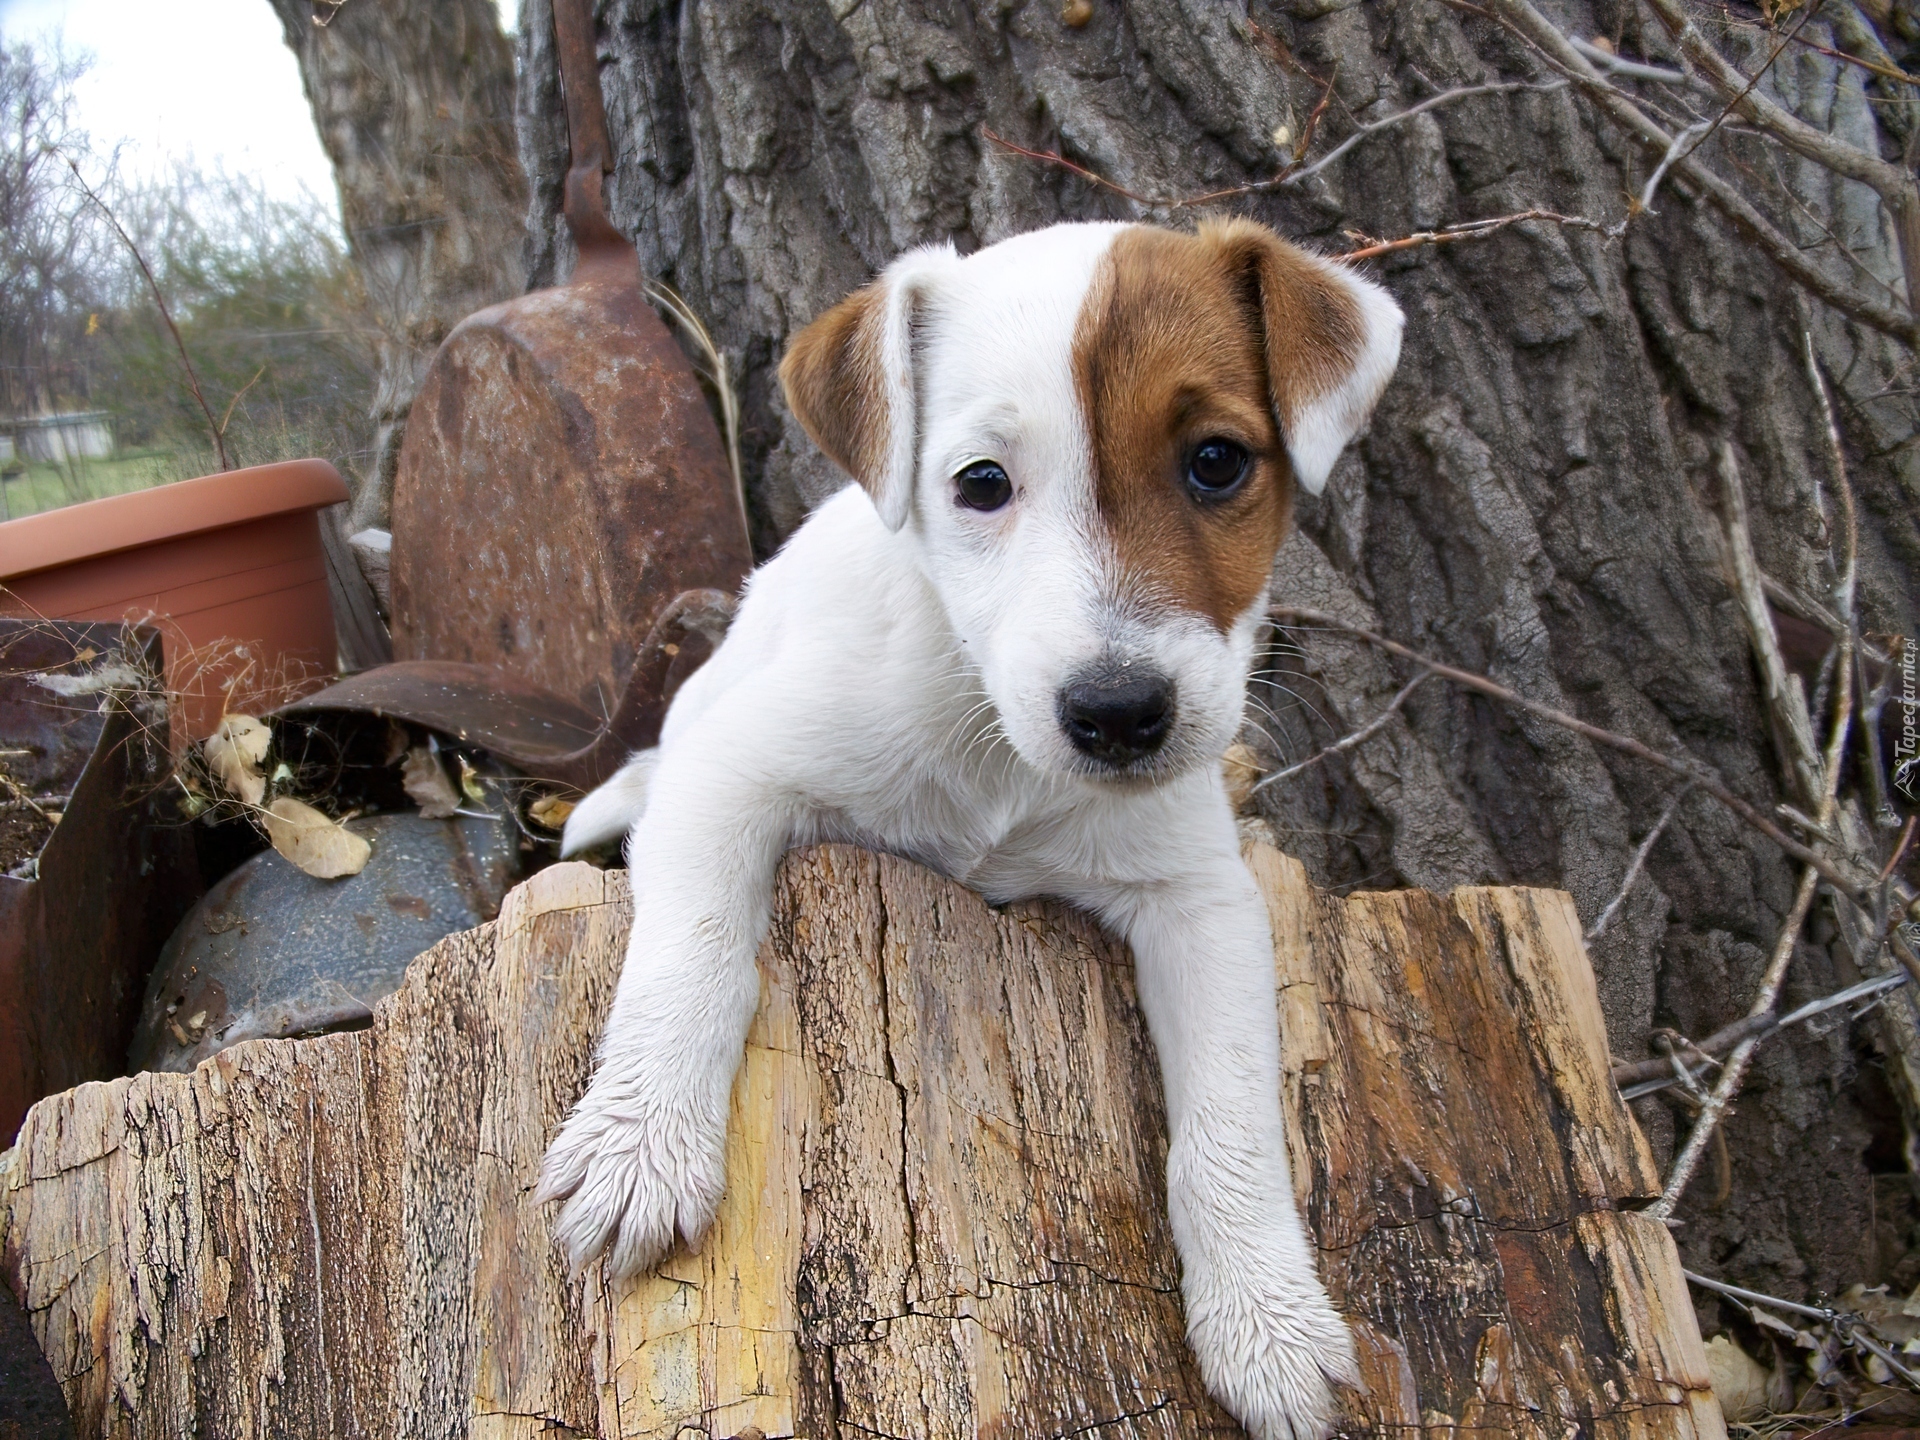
[1016, 652]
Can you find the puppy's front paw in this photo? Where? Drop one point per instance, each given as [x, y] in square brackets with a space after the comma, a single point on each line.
[631, 1183]
[1271, 1349]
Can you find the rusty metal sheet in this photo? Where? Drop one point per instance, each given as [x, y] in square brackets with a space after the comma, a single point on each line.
[523, 724]
[80, 928]
[473, 703]
[272, 952]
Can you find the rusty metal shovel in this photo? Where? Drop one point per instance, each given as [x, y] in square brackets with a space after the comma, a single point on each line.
[567, 533]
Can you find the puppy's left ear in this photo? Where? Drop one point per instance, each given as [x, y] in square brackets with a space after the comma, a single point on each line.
[1332, 341]
[849, 379]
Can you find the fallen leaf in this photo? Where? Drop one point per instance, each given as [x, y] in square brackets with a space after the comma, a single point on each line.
[470, 782]
[427, 784]
[234, 753]
[316, 844]
[550, 811]
[1739, 1381]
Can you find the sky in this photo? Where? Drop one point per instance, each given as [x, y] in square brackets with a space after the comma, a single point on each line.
[211, 79]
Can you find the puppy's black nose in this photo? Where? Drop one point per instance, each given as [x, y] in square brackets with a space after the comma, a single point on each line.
[1117, 715]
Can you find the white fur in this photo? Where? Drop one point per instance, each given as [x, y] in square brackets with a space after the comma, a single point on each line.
[893, 685]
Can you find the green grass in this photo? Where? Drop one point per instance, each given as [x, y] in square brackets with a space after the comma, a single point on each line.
[48, 487]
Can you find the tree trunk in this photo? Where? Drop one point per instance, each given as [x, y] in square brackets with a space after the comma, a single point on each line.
[945, 1213]
[1534, 499]
[414, 104]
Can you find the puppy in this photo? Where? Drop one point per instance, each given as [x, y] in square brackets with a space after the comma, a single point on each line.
[1015, 652]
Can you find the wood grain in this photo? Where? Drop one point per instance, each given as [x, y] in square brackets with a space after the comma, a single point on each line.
[945, 1214]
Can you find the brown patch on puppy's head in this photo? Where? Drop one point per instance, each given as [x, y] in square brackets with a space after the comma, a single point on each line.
[1233, 335]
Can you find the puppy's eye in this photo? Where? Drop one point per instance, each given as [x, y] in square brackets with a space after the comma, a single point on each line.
[1216, 467]
[983, 485]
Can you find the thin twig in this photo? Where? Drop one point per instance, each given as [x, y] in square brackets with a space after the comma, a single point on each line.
[1292, 174]
[1473, 230]
[1680, 147]
[193, 380]
[1605, 918]
[1898, 850]
[1632, 69]
[1374, 127]
[1644, 1077]
[1359, 737]
[1786, 702]
[1686, 767]
[718, 374]
[228, 417]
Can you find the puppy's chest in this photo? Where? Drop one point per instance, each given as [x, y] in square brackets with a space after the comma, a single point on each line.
[999, 842]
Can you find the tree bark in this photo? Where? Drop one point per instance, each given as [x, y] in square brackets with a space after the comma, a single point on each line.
[945, 1213]
[414, 104]
[1535, 499]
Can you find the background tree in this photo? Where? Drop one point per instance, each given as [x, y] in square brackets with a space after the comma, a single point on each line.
[414, 104]
[268, 304]
[49, 260]
[1538, 497]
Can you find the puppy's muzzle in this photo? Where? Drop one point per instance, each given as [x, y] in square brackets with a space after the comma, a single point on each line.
[1117, 714]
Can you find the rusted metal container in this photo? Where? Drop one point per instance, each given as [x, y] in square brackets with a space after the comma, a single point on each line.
[562, 481]
[83, 923]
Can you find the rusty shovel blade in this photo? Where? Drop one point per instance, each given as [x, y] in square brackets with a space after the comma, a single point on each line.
[562, 480]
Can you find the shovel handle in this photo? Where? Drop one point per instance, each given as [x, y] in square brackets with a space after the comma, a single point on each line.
[592, 154]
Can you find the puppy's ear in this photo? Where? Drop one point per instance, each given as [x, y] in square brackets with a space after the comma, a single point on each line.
[849, 378]
[1332, 341]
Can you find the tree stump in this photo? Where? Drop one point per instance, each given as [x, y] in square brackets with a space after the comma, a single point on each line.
[945, 1211]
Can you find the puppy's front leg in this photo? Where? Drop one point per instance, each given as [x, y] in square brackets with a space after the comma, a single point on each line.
[1267, 1337]
[643, 1154]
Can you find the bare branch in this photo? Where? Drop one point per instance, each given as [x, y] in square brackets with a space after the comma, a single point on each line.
[1736, 1067]
[1599, 926]
[1632, 69]
[1474, 230]
[1786, 702]
[1359, 737]
[1293, 173]
[1681, 146]
[1893, 183]
[1686, 767]
[1645, 1077]
[1374, 127]
[1559, 52]
[193, 381]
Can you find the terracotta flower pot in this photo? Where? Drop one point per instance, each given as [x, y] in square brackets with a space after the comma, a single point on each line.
[229, 568]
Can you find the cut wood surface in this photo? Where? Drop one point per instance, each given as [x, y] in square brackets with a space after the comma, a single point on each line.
[945, 1212]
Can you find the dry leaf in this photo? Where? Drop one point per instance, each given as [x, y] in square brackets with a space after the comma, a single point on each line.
[234, 753]
[1739, 1381]
[470, 782]
[427, 784]
[313, 842]
[550, 811]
